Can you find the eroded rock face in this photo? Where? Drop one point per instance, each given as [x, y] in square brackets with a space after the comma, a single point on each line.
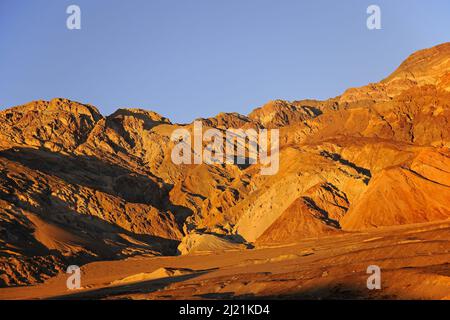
[59, 125]
[76, 186]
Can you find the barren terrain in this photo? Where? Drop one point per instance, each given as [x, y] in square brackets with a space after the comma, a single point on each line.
[364, 178]
[414, 261]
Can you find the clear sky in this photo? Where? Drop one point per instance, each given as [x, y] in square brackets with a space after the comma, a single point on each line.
[189, 59]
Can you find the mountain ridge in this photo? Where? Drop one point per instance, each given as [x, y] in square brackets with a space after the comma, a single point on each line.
[77, 186]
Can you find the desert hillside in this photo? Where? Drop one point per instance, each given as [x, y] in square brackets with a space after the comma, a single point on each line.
[77, 186]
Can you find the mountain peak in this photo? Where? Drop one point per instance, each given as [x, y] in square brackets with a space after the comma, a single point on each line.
[278, 113]
[425, 67]
[142, 114]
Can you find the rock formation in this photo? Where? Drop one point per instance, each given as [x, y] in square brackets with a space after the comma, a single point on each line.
[76, 186]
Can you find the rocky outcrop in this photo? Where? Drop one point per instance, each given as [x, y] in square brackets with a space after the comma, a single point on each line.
[58, 125]
[279, 113]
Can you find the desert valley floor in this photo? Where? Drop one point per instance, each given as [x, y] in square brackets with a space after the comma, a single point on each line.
[414, 261]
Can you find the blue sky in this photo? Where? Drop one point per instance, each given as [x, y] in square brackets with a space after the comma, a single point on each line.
[189, 59]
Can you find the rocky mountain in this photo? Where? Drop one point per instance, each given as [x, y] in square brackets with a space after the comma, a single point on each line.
[76, 186]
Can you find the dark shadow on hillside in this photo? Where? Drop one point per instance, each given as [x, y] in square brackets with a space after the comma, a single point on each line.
[337, 157]
[314, 110]
[97, 174]
[326, 218]
[92, 173]
[103, 239]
